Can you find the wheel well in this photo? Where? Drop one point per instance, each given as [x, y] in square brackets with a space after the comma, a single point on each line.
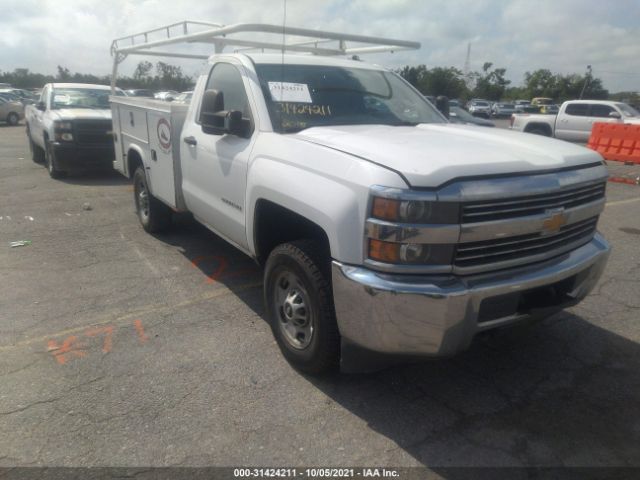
[133, 162]
[274, 225]
[543, 127]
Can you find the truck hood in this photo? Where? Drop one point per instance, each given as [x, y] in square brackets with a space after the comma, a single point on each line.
[429, 155]
[632, 120]
[82, 114]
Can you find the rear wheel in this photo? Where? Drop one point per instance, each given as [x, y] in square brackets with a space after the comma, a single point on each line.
[539, 131]
[152, 213]
[299, 304]
[13, 119]
[37, 154]
[51, 163]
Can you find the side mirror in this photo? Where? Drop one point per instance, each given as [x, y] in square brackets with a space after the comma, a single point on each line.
[233, 124]
[614, 115]
[41, 106]
[216, 120]
[442, 104]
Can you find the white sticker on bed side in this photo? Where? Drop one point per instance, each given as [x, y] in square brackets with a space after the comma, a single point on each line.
[290, 92]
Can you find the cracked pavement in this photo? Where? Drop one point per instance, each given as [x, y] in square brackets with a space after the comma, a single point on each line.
[119, 348]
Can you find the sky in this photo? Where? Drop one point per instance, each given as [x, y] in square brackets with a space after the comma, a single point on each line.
[563, 36]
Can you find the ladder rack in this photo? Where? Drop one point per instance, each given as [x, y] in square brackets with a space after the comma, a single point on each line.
[315, 42]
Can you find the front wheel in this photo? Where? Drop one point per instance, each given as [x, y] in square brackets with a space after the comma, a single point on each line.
[50, 162]
[299, 303]
[154, 215]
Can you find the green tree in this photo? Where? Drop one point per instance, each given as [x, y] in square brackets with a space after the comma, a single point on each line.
[491, 84]
[446, 81]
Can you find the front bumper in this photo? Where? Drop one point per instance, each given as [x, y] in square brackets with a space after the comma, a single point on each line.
[84, 157]
[440, 315]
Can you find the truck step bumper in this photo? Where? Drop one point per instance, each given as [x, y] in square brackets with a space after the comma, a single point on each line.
[440, 315]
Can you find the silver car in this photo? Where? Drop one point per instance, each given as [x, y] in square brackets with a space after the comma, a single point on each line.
[480, 108]
[11, 111]
[503, 109]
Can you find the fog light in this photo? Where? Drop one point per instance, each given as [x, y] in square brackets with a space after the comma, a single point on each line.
[67, 137]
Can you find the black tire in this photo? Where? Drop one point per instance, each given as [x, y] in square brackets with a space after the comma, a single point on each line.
[13, 119]
[154, 215]
[539, 131]
[298, 273]
[50, 162]
[37, 154]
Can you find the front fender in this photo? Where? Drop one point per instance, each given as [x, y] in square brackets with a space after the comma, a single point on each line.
[338, 205]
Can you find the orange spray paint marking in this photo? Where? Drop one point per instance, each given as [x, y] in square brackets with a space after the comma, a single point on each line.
[69, 348]
[221, 267]
[140, 329]
[108, 331]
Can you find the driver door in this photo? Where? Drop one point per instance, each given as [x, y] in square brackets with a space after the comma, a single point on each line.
[215, 165]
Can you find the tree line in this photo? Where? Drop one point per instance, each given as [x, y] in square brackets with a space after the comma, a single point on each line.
[161, 76]
[491, 84]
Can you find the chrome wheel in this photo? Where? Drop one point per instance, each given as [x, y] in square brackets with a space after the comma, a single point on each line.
[142, 199]
[293, 310]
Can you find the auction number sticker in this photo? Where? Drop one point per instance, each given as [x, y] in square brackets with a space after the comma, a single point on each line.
[290, 92]
[164, 134]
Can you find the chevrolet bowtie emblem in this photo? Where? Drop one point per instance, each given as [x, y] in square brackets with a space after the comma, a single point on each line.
[556, 220]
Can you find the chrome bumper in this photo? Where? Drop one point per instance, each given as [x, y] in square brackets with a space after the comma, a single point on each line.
[439, 315]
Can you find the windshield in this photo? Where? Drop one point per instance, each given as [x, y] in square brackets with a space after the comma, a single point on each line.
[81, 98]
[628, 110]
[304, 96]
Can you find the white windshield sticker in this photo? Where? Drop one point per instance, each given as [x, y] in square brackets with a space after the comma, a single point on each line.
[290, 92]
[61, 98]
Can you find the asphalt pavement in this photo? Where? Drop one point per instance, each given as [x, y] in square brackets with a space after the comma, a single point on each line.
[119, 348]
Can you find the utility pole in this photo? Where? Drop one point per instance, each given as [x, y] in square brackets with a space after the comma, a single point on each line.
[466, 72]
[587, 81]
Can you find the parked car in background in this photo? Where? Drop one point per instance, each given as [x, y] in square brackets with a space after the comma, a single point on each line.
[24, 96]
[460, 115]
[539, 101]
[499, 109]
[519, 105]
[454, 103]
[550, 109]
[184, 97]
[167, 95]
[11, 111]
[70, 128]
[139, 92]
[480, 108]
[575, 119]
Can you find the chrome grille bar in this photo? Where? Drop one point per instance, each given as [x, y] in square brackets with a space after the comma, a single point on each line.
[509, 208]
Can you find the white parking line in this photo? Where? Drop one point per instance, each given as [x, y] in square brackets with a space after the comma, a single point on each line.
[622, 202]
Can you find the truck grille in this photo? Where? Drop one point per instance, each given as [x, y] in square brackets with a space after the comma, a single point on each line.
[524, 248]
[93, 132]
[485, 211]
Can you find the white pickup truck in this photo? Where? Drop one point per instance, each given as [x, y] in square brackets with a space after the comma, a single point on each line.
[381, 227]
[69, 128]
[575, 119]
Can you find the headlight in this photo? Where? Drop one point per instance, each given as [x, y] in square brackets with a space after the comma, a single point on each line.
[408, 228]
[414, 211]
[63, 125]
[409, 253]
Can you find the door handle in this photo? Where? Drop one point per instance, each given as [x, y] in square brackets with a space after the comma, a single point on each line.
[190, 140]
